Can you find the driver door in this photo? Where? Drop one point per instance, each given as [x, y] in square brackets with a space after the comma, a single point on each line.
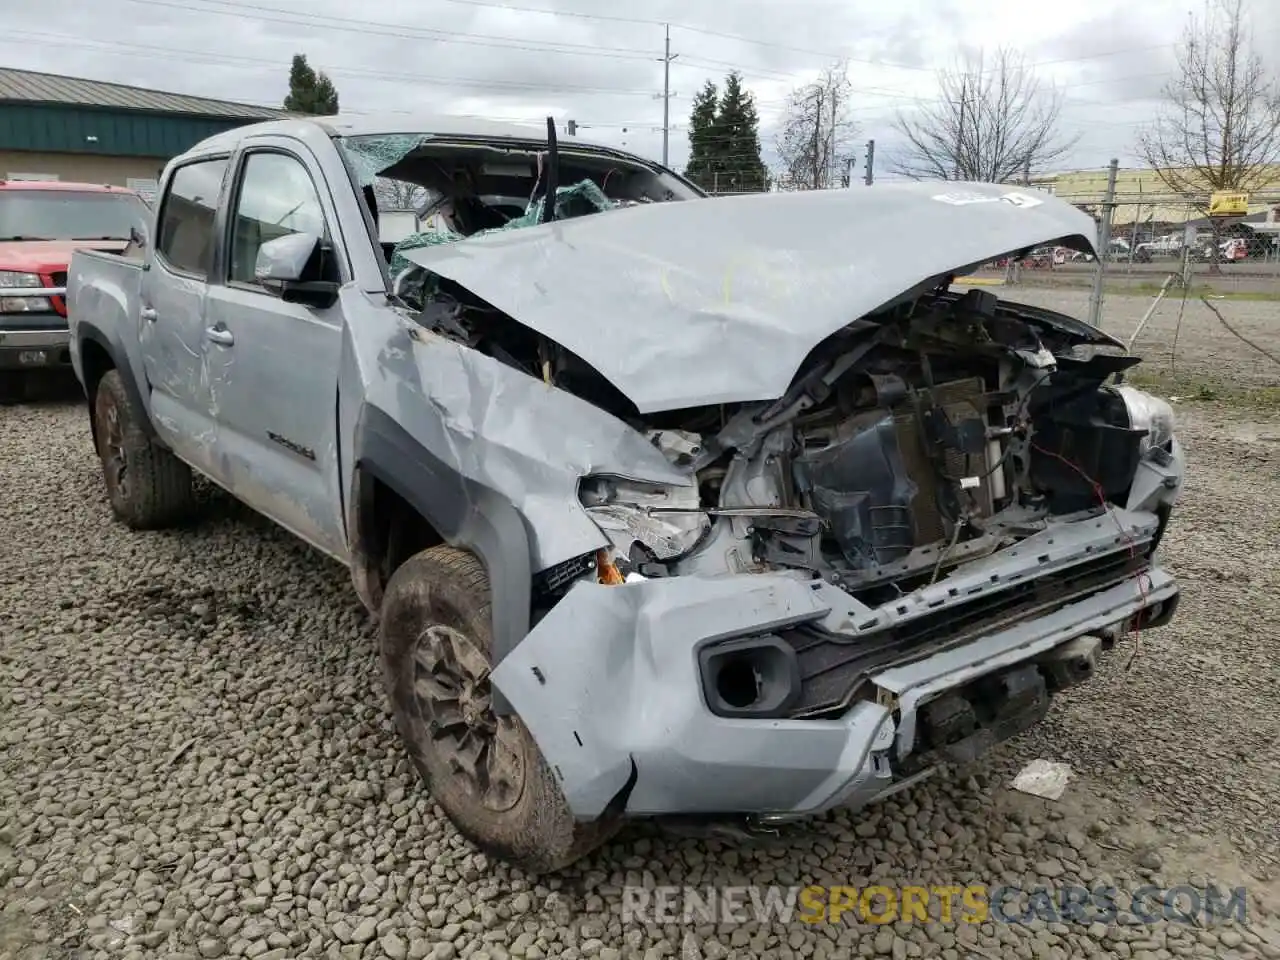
[273, 364]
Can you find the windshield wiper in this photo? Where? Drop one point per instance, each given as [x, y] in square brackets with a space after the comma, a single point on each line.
[16, 238]
[78, 239]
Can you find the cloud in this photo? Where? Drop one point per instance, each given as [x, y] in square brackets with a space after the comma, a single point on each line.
[601, 65]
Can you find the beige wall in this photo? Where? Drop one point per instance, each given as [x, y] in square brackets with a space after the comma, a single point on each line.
[1141, 195]
[80, 167]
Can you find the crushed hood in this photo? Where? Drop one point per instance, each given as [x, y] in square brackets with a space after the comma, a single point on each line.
[719, 301]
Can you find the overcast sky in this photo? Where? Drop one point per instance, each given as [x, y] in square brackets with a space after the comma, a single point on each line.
[600, 64]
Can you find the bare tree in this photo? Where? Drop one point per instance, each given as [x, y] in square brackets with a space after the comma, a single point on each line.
[1220, 129]
[398, 194]
[993, 121]
[813, 141]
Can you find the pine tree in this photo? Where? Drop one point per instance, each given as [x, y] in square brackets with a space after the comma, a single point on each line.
[310, 92]
[736, 133]
[702, 119]
[326, 96]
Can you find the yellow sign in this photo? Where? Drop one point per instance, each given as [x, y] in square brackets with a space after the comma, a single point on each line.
[1228, 203]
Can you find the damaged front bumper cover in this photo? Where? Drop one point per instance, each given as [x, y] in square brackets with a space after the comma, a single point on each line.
[612, 682]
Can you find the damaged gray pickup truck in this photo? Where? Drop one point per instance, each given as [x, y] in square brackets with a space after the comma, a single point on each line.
[669, 506]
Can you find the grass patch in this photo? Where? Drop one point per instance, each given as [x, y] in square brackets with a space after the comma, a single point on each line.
[1144, 288]
[1195, 293]
[1200, 390]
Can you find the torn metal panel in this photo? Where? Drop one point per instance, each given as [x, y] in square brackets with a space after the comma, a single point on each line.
[609, 677]
[685, 304]
[501, 430]
[1158, 480]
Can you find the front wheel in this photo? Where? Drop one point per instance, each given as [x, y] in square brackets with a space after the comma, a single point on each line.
[484, 770]
[149, 488]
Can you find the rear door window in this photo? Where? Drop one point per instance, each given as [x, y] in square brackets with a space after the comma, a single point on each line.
[185, 238]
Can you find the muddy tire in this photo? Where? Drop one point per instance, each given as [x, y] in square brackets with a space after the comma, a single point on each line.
[148, 487]
[485, 771]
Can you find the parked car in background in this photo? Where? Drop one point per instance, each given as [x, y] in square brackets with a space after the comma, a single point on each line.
[1237, 248]
[1046, 257]
[666, 507]
[1170, 244]
[41, 223]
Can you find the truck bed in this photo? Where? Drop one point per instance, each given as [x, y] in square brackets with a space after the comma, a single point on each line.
[104, 287]
[104, 303]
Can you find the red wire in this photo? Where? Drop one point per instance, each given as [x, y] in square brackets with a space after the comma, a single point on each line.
[1144, 578]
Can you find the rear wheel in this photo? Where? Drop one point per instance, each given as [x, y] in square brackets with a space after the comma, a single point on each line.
[149, 488]
[484, 770]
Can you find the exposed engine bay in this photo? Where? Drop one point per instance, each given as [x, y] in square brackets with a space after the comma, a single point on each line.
[912, 441]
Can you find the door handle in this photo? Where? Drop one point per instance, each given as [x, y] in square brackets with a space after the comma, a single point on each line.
[220, 335]
[149, 314]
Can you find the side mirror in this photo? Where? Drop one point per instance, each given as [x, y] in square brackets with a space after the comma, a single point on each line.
[285, 259]
[138, 237]
[291, 264]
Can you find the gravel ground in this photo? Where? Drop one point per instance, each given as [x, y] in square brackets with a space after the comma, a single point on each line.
[1182, 339]
[196, 760]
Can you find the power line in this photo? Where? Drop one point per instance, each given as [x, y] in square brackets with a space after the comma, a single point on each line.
[398, 30]
[186, 56]
[395, 30]
[239, 60]
[244, 62]
[253, 13]
[377, 28]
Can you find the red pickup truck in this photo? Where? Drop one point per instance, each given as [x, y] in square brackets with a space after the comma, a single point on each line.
[41, 223]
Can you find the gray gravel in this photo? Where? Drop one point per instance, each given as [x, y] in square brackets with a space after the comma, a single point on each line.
[196, 760]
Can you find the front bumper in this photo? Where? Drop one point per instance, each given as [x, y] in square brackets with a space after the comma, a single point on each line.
[610, 685]
[34, 349]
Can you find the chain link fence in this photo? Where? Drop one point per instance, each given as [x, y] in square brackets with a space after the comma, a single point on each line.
[1196, 297]
[1155, 235]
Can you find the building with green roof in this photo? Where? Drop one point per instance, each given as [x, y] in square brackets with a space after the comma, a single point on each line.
[68, 128]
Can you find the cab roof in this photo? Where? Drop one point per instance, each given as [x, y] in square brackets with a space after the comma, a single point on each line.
[428, 124]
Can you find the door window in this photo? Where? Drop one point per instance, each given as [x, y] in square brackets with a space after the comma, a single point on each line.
[277, 198]
[185, 236]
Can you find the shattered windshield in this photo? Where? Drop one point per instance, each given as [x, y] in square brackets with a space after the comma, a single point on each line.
[459, 187]
[482, 168]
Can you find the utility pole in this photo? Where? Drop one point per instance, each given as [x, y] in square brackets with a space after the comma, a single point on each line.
[871, 159]
[964, 101]
[667, 57]
[1133, 234]
[1104, 243]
